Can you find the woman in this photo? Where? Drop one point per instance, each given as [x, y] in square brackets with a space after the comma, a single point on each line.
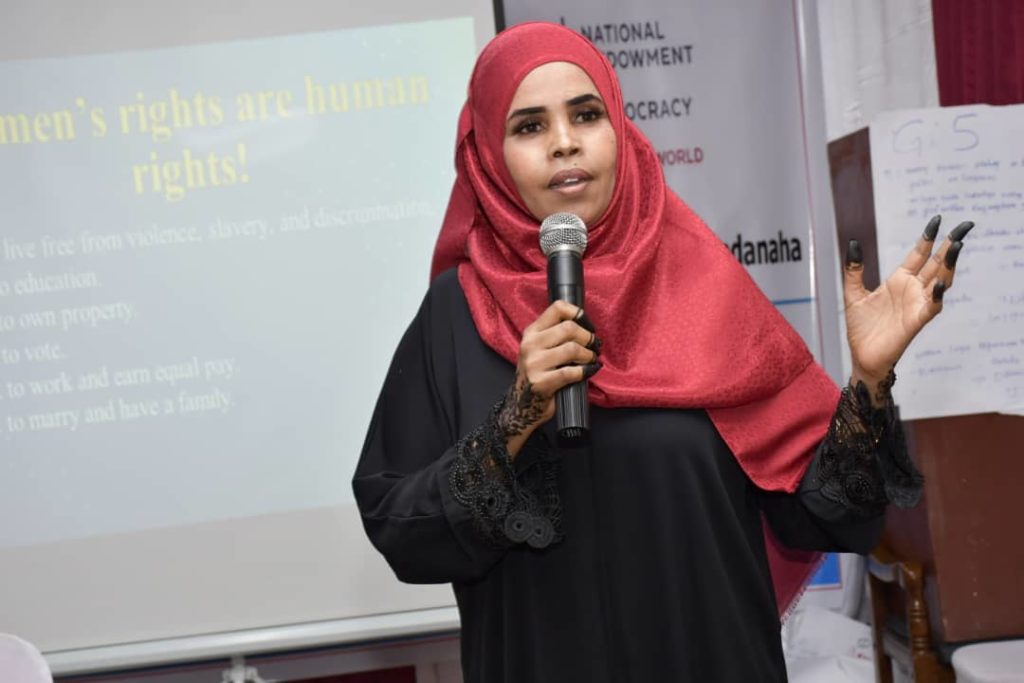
[643, 556]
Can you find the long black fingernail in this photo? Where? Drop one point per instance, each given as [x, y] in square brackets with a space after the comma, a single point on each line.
[583, 321]
[854, 254]
[938, 291]
[961, 230]
[596, 344]
[591, 368]
[932, 229]
[953, 253]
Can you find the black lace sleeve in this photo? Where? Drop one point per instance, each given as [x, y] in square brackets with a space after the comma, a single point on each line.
[863, 463]
[511, 503]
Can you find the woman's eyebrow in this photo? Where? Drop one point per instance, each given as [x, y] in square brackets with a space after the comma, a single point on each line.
[579, 99]
[526, 111]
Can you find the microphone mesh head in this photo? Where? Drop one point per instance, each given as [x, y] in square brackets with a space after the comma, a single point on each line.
[563, 231]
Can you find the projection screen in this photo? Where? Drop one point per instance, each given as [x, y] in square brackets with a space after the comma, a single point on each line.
[217, 222]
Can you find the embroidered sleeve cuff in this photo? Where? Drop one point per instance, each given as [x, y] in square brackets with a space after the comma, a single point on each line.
[863, 463]
[509, 507]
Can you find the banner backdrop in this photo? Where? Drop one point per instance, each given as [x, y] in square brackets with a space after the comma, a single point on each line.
[718, 87]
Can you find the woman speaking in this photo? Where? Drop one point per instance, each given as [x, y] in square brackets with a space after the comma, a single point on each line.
[721, 457]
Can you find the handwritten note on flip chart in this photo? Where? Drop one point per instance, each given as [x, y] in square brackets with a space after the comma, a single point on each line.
[965, 163]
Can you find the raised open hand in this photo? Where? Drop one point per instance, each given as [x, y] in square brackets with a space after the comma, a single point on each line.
[880, 324]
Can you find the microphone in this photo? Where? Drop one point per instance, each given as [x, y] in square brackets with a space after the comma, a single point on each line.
[563, 239]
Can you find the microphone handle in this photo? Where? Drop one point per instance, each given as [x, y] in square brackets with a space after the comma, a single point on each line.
[565, 281]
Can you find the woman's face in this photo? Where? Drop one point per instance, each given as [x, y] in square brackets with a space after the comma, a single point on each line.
[559, 144]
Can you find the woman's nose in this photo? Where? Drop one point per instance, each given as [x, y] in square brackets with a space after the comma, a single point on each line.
[564, 141]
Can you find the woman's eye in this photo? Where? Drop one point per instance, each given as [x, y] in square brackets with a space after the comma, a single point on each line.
[588, 115]
[528, 127]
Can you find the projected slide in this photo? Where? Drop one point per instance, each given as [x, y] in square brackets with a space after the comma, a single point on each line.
[201, 252]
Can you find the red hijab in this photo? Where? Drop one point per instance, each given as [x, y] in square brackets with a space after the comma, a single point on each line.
[683, 324]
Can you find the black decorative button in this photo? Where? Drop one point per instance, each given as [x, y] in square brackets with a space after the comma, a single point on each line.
[518, 526]
[495, 501]
[541, 533]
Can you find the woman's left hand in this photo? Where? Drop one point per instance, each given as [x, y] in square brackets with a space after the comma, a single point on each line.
[881, 324]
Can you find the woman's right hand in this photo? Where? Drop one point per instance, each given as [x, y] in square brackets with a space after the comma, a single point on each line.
[558, 348]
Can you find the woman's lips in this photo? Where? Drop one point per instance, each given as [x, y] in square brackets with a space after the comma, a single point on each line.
[571, 181]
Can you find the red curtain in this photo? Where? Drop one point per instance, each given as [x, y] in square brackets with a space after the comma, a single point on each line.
[979, 51]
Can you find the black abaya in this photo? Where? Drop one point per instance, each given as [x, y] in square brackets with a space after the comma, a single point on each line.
[659, 572]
